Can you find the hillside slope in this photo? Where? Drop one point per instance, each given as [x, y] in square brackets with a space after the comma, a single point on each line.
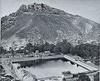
[39, 22]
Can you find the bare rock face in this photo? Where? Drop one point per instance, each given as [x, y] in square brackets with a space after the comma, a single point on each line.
[38, 23]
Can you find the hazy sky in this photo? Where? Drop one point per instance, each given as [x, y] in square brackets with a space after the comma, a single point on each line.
[86, 8]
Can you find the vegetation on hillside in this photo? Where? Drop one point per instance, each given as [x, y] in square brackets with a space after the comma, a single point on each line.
[87, 51]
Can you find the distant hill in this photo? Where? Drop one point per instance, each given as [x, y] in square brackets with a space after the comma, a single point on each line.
[39, 23]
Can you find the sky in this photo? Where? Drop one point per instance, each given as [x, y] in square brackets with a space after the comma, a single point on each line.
[86, 8]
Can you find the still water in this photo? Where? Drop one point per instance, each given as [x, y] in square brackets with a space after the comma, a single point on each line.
[50, 68]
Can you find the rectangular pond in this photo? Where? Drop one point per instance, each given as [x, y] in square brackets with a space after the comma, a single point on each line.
[47, 68]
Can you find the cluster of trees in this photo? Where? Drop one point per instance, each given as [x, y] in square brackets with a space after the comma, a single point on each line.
[83, 77]
[82, 50]
[61, 47]
[86, 50]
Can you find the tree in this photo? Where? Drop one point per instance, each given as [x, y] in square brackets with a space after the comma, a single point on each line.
[63, 47]
[57, 48]
[2, 50]
[63, 79]
[66, 47]
[40, 48]
[29, 47]
[46, 46]
[83, 77]
[51, 48]
[11, 51]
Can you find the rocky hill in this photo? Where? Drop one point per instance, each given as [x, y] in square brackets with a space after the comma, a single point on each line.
[38, 23]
